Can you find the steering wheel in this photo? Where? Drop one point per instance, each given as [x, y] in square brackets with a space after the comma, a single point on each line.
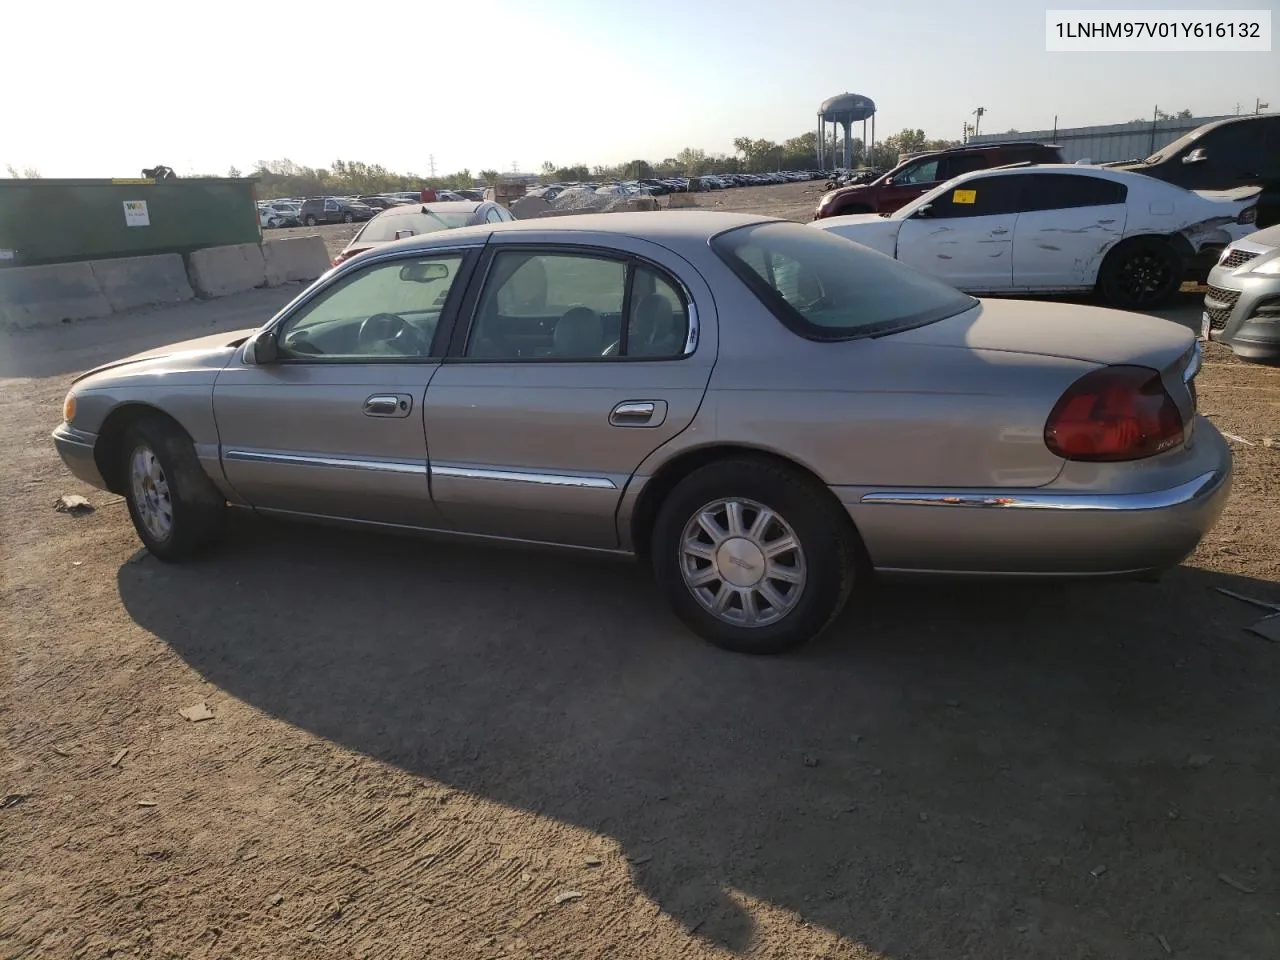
[389, 328]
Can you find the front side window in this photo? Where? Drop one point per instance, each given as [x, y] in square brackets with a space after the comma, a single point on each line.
[386, 311]
[926, 172]
[576, 306]
[824, 287]
[980, 197]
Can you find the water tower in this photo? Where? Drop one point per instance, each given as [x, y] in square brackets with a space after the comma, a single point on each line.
[843, 112]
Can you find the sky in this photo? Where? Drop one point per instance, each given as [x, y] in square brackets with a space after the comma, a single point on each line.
[202, 85]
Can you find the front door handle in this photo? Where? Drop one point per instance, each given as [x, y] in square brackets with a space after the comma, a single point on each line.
[388, 405]
[639, 413]
[996, 233]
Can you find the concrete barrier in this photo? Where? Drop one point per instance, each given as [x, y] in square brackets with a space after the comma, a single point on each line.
[132, 282]
[219, 271]
[36, 296]
[298, 258]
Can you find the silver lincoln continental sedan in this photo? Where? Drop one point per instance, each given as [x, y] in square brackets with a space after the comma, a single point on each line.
[764, 413]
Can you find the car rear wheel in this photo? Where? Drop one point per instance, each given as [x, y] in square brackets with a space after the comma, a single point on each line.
[753, 556]
[1140, 273]
[310, 220]
[348, 217]
[176, 509]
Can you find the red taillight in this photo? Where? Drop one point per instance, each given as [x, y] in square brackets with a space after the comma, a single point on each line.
[1116, 413]
[1248, 216]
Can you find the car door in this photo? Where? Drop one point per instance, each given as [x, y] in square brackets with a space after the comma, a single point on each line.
[1066, 224]
[577, 363]
[332, 213]
[965, 235]
[333, 426]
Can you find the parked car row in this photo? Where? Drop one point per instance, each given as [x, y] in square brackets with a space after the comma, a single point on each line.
[310, 211]
[660, 186]
[1222, 155]
[1059, 228]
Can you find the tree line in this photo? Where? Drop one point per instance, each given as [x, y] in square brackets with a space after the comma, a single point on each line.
[750, 155]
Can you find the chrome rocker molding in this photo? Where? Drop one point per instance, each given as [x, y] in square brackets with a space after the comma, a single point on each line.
[545, 479]
[1156, 500]
[396, 466]
[341, 463]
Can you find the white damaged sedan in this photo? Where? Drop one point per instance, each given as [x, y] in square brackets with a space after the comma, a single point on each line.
[1059, 228]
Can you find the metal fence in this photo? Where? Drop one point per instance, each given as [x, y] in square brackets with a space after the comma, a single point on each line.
[1116, 141]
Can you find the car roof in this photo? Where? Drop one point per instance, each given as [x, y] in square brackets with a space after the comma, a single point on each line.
[657, 225]
[1120, 176]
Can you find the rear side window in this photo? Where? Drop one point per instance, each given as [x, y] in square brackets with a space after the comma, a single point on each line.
[1064, 191]
[823, 287]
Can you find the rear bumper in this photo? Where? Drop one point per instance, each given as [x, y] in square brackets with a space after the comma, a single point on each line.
[75, 447]
[1040, 532]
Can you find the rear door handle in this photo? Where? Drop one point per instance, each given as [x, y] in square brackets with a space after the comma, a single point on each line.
[639, 413]
[388, 405]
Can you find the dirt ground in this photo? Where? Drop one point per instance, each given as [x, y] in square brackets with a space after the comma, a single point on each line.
[431, 751]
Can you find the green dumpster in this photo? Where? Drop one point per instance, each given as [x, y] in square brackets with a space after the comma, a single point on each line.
[58, 221]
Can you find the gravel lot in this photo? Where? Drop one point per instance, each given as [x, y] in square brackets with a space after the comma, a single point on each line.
[428, 751]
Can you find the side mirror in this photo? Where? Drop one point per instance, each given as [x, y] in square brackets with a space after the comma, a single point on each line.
[262, 348]
[924, 212]
[1198, 155]
[888, 181]
[424, 272]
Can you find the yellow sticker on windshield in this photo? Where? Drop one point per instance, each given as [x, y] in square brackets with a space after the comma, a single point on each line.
[964, 196]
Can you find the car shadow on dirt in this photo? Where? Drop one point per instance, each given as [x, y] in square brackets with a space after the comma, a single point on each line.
[1031, 771]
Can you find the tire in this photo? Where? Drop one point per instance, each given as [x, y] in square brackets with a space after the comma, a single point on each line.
[828, 561]
[1140, 274]
[348, 218]
[176, 509]
[310, 221]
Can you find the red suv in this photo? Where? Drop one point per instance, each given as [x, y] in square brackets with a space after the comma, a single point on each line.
[916, 176]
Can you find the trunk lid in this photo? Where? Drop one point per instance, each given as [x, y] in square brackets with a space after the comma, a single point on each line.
[1089, 334]
[1092, 334]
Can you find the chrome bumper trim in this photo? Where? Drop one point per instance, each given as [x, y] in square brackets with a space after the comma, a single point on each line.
[1155, 500]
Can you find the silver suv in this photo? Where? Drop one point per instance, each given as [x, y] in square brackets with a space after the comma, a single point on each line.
[1242, 307]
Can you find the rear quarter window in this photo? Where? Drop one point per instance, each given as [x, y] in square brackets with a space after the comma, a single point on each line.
[824, 287]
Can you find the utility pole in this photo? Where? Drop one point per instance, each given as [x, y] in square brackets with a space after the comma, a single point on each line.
[977, 124]
[431, 164]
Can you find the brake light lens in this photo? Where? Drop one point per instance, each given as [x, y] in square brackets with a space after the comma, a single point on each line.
[1248, 216]
[1113, 414]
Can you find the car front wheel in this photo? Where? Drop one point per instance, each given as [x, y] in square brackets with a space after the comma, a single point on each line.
[348, 218]
[310, 220]
[176, 509]
[753, 556]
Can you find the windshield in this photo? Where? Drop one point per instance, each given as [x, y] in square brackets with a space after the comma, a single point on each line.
[824, 287]
[1176, 147]
[385, 228]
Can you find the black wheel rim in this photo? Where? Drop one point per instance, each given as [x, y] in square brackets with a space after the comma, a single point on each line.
[1143, 277]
